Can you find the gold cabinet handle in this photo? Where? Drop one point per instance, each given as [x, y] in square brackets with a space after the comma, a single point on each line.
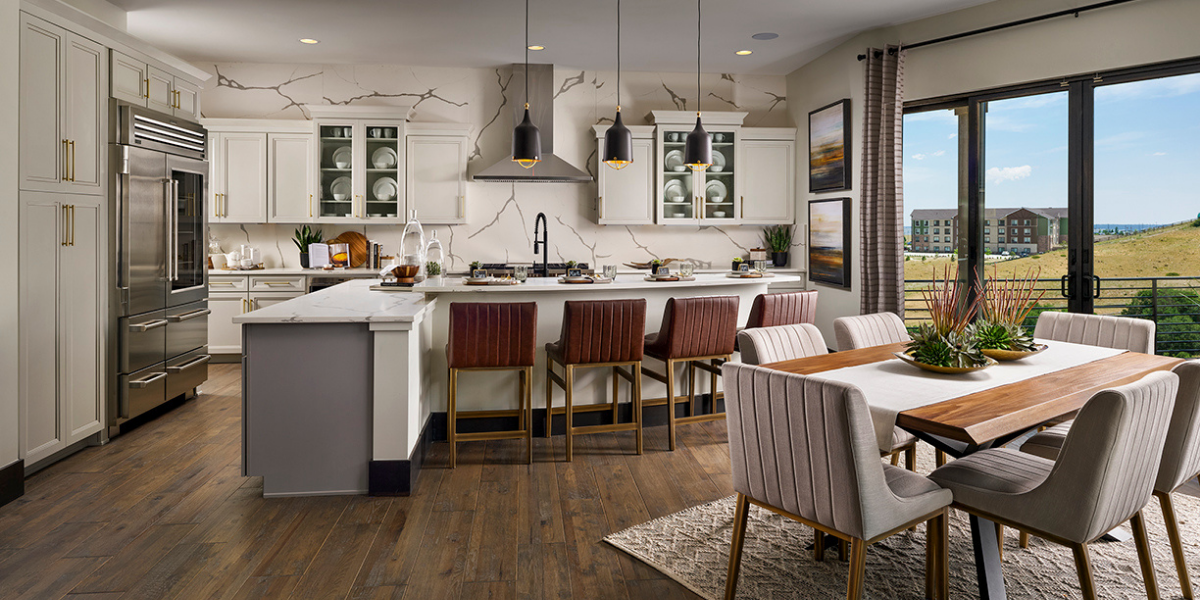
[64, 226]
[310, 208]
[742, 199]
[66, 157]
[600, 206]
[462, 207]
[146, 93]
[71, 144]
[72, 222]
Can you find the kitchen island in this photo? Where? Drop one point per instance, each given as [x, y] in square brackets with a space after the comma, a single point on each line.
[343, 388]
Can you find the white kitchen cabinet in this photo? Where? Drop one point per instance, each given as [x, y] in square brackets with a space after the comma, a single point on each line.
[239, 177]
[61, 330]
[768, 189]
[626, 196]
[360, 159]
[225, 336]
[160, 91]
[264, 299]
[289, 178]
[436, 173]
[136, 82]
[708, 197]
[128, 80]
[62, 109]
[187, 99]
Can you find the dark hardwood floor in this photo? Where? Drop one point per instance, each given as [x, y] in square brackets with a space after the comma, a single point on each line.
[163, 512]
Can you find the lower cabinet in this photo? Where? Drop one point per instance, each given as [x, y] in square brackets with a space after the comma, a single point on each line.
[225, 336]
[61, 330]
[233, 295]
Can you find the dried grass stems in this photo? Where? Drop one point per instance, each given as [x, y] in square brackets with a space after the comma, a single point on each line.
[1007, 301]
[948, 310]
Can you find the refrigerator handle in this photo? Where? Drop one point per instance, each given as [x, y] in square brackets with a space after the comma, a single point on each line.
[174, 229]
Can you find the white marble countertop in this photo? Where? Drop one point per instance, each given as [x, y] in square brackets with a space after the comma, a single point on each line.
[349, 302]
[455, 285]
[296, 271]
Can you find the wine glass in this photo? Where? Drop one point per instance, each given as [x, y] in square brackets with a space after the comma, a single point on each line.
[686, 269]
[610, 271]
[760, 266]
[520, 272]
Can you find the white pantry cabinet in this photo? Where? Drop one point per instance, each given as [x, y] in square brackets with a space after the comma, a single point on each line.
[238, 165]
[436, 172]
[136, 82]
[62, 109]
[61, 330]
[767, 193]
[626, 196]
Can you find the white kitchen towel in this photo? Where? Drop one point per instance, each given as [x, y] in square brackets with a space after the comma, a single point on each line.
[891, 387]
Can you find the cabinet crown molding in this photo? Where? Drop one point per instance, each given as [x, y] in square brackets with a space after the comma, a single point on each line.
[256, 126]
[428, 128]
[390, 113]
[679, 117]
[769, 133]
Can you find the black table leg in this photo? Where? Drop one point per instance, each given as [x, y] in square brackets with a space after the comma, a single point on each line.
[987, 559]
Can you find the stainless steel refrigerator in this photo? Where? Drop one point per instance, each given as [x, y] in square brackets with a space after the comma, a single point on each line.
[159, 253]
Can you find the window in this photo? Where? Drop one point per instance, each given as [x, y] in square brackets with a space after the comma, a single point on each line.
[1026, 229]
[987, 240]
[1026, 240]
[1000, 231]
[1001, 240]
[1026, 221]
[1000, 222]
[987, 230]
[987, 222]
[937, 239]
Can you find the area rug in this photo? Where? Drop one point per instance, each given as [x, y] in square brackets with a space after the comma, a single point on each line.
[692, 547]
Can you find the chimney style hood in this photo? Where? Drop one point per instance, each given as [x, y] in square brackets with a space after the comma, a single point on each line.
[552, 169]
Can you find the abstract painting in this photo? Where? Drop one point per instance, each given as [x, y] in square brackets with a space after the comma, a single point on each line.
[829, 242]
[829, 148]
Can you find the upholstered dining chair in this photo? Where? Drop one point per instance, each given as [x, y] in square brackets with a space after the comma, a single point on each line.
[784, 429]
[1103, 477]
[864, 331]
[764, 345]
[1126, 333]
[1180, 460]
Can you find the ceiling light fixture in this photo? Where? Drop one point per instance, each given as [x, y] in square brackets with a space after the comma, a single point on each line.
[744, 52]
[536, 47]
[697, 153]
[765, 36]
[618, 140]
[309, 41]
[527, 140]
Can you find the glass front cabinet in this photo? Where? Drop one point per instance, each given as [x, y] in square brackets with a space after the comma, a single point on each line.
[360, 174]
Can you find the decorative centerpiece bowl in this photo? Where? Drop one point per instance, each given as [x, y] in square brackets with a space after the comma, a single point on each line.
[1007, 355]
[945, 344]
[405, 273]
[904, 356]
[1000, 332]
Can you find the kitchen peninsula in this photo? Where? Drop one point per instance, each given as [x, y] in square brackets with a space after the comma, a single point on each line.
[343, 387]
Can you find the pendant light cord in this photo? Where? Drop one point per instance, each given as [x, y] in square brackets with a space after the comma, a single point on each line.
[618, 54]
[697, 58]
[527, 54]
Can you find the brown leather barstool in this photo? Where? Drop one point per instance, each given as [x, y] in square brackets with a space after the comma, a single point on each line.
[783, 308]
[491, 336]
[693, 330]
[598, 333]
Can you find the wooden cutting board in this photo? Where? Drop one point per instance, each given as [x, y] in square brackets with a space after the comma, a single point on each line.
[358, 246]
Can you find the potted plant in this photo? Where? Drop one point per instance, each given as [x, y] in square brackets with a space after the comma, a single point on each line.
[654, 266]
[945, 344]
[778, 239]
[571, 264]
[1006, 303]
[433, 268]
[302, 238]
[737, 263]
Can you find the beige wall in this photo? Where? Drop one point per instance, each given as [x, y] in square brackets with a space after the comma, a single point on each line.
[10, 35]
[1137, 33]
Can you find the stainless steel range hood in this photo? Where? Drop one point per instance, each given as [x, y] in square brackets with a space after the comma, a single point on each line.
[552, 169]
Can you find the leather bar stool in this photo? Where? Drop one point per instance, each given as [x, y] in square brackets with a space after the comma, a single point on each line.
[693, 330]
[491, 336]
[597, 334]
[784, 308]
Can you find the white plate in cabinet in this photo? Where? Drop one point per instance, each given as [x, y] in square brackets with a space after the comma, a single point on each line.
[626, 196]
[768, 185]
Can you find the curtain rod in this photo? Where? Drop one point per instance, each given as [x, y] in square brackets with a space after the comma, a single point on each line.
[1053, 15]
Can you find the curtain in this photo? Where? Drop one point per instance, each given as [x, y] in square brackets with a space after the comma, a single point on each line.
[881, 249]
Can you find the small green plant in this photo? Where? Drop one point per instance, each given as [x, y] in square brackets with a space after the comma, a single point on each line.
[778, 238]
[738, 259]
[571, 264]
[1006, 304]
[946, 342]
[1172, 274]
[306, 236]
[1196, 223]
[476, 265]
[433, 268]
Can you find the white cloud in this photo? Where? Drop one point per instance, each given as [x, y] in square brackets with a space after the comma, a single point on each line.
[952, 136]
[997, 175]
[938, 153]
[918, 157]
[1159, 154]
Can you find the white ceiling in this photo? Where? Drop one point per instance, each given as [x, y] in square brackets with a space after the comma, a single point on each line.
[658, 35]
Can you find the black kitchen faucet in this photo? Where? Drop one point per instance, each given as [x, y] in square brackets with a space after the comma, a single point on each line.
[542, 244]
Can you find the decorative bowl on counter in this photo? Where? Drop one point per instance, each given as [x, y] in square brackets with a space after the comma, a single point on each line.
[943, 370]
[1012, 354]
[405, 273]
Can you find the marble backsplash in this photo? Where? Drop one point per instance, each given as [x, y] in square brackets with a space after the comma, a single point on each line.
[500, 216]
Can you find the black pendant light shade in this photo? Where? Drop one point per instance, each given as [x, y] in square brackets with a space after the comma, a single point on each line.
[618, 144]
[527, 142]
[697, 154]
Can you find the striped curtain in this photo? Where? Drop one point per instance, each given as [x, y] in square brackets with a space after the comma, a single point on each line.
[882, 202]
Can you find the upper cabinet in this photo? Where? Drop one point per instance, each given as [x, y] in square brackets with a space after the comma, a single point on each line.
[62, 109]
[436, 172]
[767, 193]
[238, 164]
[139, 83]
[261, 171]
[687, 197]
[360, 158]
[289, 177]
[626, 196]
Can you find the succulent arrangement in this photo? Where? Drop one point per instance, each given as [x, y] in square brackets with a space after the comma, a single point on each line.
[305, 236]
[1006, 303]
[947, 340]
[433, 268]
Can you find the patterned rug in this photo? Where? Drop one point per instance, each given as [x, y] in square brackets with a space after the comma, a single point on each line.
[692, 547]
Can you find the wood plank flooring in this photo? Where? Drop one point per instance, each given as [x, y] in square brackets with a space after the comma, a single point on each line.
[163, 512]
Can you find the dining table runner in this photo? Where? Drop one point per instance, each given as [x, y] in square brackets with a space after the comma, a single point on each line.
[891, 386]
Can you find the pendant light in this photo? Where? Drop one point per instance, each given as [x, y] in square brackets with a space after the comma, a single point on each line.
[697, 154]
[618, 140]
[527, 140]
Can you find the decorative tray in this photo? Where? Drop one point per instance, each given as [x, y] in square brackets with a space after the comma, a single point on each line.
[748, 275]
[392, 287]
[584, 280]
[254, 268]
[491, 282]
[1013, 354]
[944, 370]
[671, 278]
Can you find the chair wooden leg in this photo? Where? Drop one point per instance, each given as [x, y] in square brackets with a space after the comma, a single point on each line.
[858, 564]
[671, 405]
[549, 397]
[1083, 564]
[1024, 540]
[451, 412]
[1144, 556]
[1168, 508]
[1000, 540]
[818, 545]
[527, 402]
[569, 378]
[895, 459]
[910, 458]
[843, 549]
[940, 459]
[937, 557]
[636, 370]
[735, 549]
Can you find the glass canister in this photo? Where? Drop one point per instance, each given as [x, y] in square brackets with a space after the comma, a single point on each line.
[435, 259]
[412, 245]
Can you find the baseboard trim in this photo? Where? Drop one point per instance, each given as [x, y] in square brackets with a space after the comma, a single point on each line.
[12, 482]
[398, 477]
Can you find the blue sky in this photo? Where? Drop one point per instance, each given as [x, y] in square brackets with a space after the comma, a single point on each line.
[1147, 160]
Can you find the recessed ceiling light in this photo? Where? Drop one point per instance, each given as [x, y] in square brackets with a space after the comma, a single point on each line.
[765, 36]
[744, 52]
[537, 47]
[309, 41]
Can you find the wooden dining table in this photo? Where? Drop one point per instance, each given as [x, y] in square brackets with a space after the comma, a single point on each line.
[993, 417]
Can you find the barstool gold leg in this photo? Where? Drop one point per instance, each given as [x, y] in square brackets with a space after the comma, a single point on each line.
[570, 379]
[527, 401]
[616, 377]
[691, 376]
[450, 417]
[671, 405]
[549, 397]
[521, 383]
[712, 386]
[636, 371]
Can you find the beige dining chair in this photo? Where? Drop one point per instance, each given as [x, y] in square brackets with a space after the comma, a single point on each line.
[1103, 477]
[1180, 459]
[763, 345]
[1126, 333]
[804, 448]
[864, 331]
